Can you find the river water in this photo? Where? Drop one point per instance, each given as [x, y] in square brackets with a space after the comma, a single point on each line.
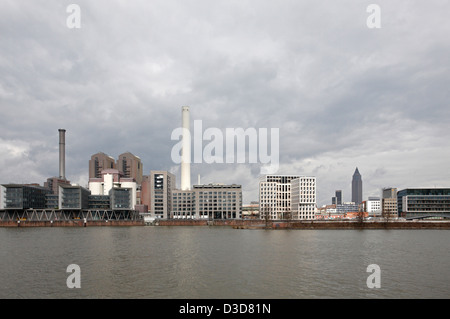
[221, 262]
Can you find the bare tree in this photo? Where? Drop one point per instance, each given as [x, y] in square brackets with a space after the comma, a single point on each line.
[360, 218]
[267, 211]
[288, 217]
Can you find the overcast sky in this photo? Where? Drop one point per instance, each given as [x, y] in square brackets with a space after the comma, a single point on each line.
[342, 95]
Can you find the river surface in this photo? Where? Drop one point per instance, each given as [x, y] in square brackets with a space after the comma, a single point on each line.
[221, 262]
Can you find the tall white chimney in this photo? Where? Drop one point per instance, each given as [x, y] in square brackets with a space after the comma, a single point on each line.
[186, 151]
[62, 153]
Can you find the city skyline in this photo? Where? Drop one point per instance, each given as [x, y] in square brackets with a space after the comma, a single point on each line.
[343, 95]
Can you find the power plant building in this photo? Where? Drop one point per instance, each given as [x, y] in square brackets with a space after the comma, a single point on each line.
[131, 166]
[100, 162]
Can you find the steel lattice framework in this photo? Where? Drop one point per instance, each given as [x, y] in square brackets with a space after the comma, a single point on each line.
[67, 215]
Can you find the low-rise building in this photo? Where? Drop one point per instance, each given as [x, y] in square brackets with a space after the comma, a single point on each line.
[23, 196]
[73, 197]
[424, 202]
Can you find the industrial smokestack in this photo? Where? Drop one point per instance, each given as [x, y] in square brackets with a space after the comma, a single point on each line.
[186, 150]
[62, 154]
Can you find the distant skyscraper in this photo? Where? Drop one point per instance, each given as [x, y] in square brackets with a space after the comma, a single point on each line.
[357, 188]
[338, 197]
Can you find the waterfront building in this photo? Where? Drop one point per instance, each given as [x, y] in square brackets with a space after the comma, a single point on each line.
[162, 184]
[131, 166]
[53, 184]
[326, 211]
[250, 210]
[389, 206]
[276, 193]
[211, 201]
[372, 206]
[23, 196]
[99, 202]
[275, 196]
[145, 193]
[303, 198]
[357, 190]
[183, 204]
[52, 201]
[424, 202]
[347, 207]
[218, 201]
[100, 162]
[113, 178]
[121, 198]
[73, 197]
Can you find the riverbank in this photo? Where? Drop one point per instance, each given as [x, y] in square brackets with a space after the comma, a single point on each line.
[261, 224]
[239, 224]
[71, 223]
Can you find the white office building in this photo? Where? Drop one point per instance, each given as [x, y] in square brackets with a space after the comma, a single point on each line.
[303, 198]
[287, 196]
[373, 206]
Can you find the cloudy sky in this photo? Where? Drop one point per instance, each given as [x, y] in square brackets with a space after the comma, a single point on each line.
[342, 95]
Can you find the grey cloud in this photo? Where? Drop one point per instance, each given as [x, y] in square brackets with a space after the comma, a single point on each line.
[341, 94]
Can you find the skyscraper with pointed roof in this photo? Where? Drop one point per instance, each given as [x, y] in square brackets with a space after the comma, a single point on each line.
[357, 187]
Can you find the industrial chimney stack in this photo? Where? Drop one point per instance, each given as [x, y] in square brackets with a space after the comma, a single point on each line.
[186, 151]
[62, 154]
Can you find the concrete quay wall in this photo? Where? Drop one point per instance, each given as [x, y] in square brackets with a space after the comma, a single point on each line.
[71, 223]
[240, 224]
[261, 224]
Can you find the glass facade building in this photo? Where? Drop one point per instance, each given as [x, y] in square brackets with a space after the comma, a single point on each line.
[120, 198]
[18, 196]
[423, 202]
[73, 197]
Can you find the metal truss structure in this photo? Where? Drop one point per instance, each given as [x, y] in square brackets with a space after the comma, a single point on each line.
[67, 215]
